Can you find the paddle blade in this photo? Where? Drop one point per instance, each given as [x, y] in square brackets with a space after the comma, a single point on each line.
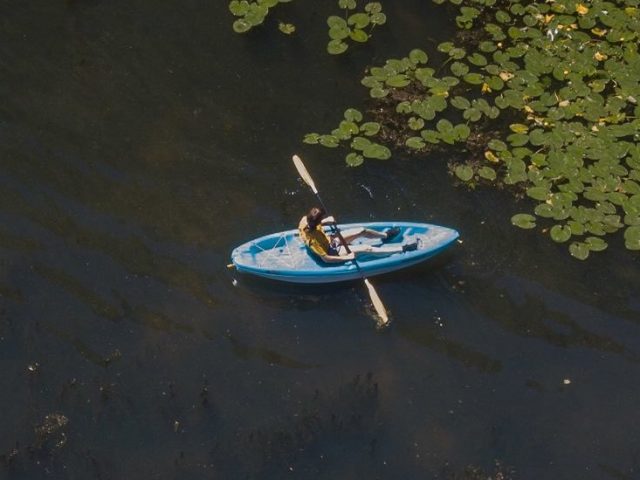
[377, 303]
[304, 174]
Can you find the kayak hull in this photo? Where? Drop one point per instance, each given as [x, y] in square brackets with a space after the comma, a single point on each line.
[284, 257]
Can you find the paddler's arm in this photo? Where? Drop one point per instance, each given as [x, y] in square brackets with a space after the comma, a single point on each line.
[328, 220]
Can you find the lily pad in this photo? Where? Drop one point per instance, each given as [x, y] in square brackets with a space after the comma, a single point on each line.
[370, 128]
[415, 142]
[464, 172]
[632, 238]
[354, 159]
[524, 220]
[352, 115]
[336, 47]
[487, 173]
[418, 56]
[579, 250]
[560, 233]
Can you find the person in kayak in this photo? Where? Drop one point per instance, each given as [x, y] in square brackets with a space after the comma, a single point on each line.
[329, 248]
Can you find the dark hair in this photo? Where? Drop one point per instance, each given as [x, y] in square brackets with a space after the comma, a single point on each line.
[314, 217]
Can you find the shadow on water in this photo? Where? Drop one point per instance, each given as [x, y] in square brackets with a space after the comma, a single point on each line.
[269, 356]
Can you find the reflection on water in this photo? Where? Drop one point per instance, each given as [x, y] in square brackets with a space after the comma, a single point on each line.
[140, 142]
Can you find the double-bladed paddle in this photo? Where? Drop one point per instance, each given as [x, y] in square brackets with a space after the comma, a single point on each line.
[375, 298]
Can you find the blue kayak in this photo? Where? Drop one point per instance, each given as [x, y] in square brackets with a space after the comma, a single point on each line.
[283, 256]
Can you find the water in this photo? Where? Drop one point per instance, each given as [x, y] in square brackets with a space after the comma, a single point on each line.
[140, 142]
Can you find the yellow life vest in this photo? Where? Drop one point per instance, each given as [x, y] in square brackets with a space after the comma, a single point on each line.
[317, 241]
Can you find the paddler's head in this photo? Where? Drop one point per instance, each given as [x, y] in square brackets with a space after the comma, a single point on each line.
[314, 217]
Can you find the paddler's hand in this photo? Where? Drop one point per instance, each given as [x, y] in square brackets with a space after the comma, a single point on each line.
[328, 220]
[348, 256]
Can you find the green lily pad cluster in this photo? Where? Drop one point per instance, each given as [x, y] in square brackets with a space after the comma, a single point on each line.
[353, 26]
[357, 134]
[551, 89]
[253, 13]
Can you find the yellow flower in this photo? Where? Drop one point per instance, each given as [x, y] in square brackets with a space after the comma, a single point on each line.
[582, 9]
[599, 32]
[505, 76]
[600, 56]
[548, 18]
[489, 155]
[486, 88]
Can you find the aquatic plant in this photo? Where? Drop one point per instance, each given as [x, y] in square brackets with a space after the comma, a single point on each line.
[352, 26]
[252, 13]
[538, 96]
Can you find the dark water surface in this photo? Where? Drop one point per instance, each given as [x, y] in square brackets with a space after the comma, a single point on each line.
[140, 141]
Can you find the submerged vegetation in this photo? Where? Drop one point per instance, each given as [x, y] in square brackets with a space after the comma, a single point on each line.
[537, 96]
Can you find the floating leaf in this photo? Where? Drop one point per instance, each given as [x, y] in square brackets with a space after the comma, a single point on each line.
[311, 138]
[444, 126]
[352, 115]
[358, 35]
[378, 92]
[416, 123]
[579, 250]
[354, 159]
[372, 7]
[524, 220]
[487, 173]
[472, 114]
[360, 143]
[418, 56]
[518, 139]
[445, 47]
[378, 18]
[596, 244]
[538, 193]
[415, 142]
[464, 172]
[359, 20]
[336, 47]
[632, 238]
[519, 128]
[477, 59]
[460, 102]
[286, 28]
[375, 150]
[430, 136]
[330, 141]
[497, 145]
[462, 131]
[241, 26]
[459, 69]
[335, 21]
[238, 8]
[457, 53]
[347, 4]
[370, 128]
[560, 233]
[473, 78]
[398, 81]
[348, 127]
